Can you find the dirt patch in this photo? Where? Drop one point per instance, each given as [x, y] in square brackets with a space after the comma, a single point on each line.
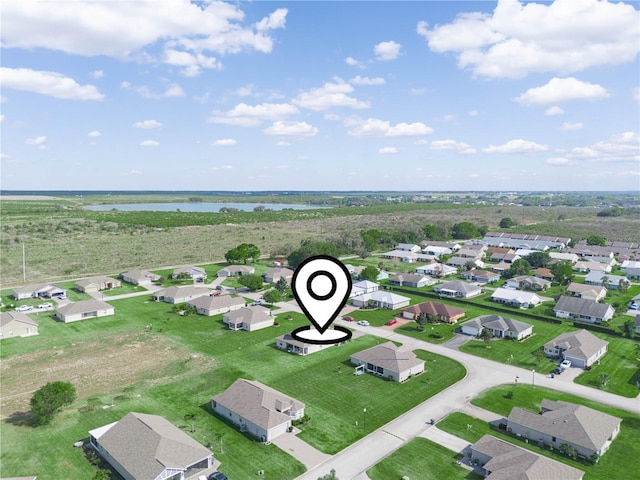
[96, 368]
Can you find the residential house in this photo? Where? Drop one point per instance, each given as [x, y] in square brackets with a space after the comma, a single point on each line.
[525, 252]
[437, 251]
[607, 260]
[564, 257]
[581, 347]
[97, 284]
[634, 303]
[612, 282]
[42, 290]
[408, 256]
[515, 298]
[380, 299]
[458, 288]
[519, 240]
[414, 280]
[389, 361]
[504, 257]
[472, 251]
[501, 460]
[631, 269]
[480, 276]
[180, 294]
[74, 311]
[527, 282]
[139, 277]
[197, 274]
[502, 250]
[465, 262]
[544, 273]
[209, 306]
[236, 271]
[500, 267]
[588, 266]
[586, 430]
[362, 287]
[501, 327]
[248, 318]
[408, 247]
[440, 311]
[16, 324]
[436, 270]
[591, 251]
[257, 409]
[273, 275]
[589, 292]
[148, 447]
[584, 310]
[453, 246]
[293, 345]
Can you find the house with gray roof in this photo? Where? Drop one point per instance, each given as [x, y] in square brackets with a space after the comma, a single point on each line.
[148, 447]
[197, 274]
[97, 284]
[480, 276]
[588, 292]
[515, 298]
[436, 270]
[273, 275]
[581, 309]
[41, 290]
[464, 262]
[589, 266]
[504, 461]
[586, 430]
[295, 346]
[362, 287]
[236, 271]
[501, 327]
[459, 289]
[83, 310]
[381, 299]
[631, 269]
[389, 361]
[581, 347]
[209, 306]
[16, 324]
[139, 277]
[528, 282]
[408, 256]
[248, 318]
[180, 294]
[257, 409]
[414, 280]
[612, 282]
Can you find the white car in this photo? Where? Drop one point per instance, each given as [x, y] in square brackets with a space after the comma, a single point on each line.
[565, 364]
[364, 323]
[24, 308]
[44, 305]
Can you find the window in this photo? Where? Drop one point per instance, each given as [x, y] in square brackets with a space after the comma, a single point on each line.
[553, 439]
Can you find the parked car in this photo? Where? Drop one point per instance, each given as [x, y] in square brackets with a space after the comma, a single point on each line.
[393, 321]
[24, 308]
[256, 303]
[217, 476]
[364, 323]
[565, 364]
[348, 319]
[557, 371]
[44, 305]
[215, 293]
[219, 287]
[60, 296]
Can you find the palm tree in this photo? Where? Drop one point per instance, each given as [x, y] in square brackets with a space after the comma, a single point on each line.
[604, 378]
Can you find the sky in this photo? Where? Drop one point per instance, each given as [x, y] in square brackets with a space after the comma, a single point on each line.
[360, 95]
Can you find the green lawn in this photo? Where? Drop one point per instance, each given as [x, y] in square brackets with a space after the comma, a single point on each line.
[421, 459]
[123, 289]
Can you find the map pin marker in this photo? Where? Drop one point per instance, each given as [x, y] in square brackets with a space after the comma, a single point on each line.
[321, 285]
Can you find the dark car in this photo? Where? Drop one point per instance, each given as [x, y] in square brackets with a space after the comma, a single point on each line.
[348, 319]
[217, 476]
[393, 321]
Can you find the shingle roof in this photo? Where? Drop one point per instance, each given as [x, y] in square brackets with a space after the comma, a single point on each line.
[258, 403]
[434, 308]
[147, 444]
[581, 344]
[180, 292]
[98, 280]
[573, 423]
[249, 315]
[516, 295]
[213, 303]
[90, 305]
[238, 268]
[188, 269]
[458, 286]
[11, 316]
[390, 357]
[410, 277]
[582, 289]
[581, 306]
[498, 322]
[137, 274]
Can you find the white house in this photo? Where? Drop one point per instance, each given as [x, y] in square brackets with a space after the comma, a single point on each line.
[414, 280]
[235, 271]
[197, 274]
[74, 311]
[180, 294]
[613, 282]
[584, 310]
[381, 299]
[139, 277]
[437, 251]
[436, 270]
[209, 306]
[631, 269]
[581, 347]
[457, 288]
[500, 327]
[293, 345]
[42, 290]
[16, 324]
[588, 292]
[362, 287]
[389, 361]
[515, 298]
[248, 318]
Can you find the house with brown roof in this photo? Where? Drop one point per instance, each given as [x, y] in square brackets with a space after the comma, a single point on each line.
[74, 311]
[148, 447]
[273, 275]
[577, 308]
[582, 348]
[586, 430]
[97, 284]
[180, 294]
[139, 277]
[544, 273]
[504, 461]
[257, 409]
[500, 327]
[293, 345]
[209, 306]
[480, 276]
[389, 361]
[588, 292]
[197, 274]
[236, 271]
[248, 318]
[414, 280]
[440, 311]
[16, 324]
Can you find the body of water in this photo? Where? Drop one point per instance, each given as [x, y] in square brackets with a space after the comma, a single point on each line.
[196, 207]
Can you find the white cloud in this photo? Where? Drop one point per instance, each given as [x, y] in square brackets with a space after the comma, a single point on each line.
[352, 62]
[173, 91]
[193, 63]
[97, 74]
[555, 110]
[559, 90]
[516, 146]
[387, 50]
[557, 161]
[283, 144]
[132, 172]
[571, 127]
[460, 147]
[147, 124]
[328, 96]
[387, 150]
[382, 128]
[1, 118]
[149, 143]
[624, 147]
[221, 167]
[292, 129]
[52, 84]
[245, 91]
[37, 141]
[417, 91]
[224, 142]
[94, 133]
[473, 113]
[358, 80]
[252, 115]
[635, 92]
[331, 117]
[515, 40]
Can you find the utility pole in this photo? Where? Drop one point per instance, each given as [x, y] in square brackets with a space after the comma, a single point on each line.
[24, 266]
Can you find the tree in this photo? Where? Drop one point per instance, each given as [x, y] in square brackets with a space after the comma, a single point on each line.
[369, 273]
[627, 328]
[604, 379]
[518, 267]
[252, 281]
[50, 399]
[191, 418]
[507, 222]
[102, 475]
[596, 240]
[421, 320]
[464, 230]
[562, 272]
[242, 253]
[282, 285]
[329, 476]
[309, 249]
[430, 232]
[538, 259]
[272, 296]
[486, 335]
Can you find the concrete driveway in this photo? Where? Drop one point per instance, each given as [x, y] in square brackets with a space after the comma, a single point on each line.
[300, 450]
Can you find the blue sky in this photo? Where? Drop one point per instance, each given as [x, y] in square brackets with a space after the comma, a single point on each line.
[359, 95]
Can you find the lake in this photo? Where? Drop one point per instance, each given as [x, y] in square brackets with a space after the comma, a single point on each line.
[197, 207]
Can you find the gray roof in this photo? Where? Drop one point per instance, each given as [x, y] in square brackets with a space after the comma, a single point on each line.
[581, 306]
[188, 269]
[541, 282]
[138, 274]
[213, 303]
[481, 274]
[582, 288]
[509, 462]
[389, 356]
[497, 322]
[458, 286]
[278, 272]
[12, 316]
[98, 280]
[258, 403]
[83, 306]
[180, 292]
[293, 341]
[411, 277]
[238, 268]
[573, 423]
[145, 445]
[249, 315]
[578, 344]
